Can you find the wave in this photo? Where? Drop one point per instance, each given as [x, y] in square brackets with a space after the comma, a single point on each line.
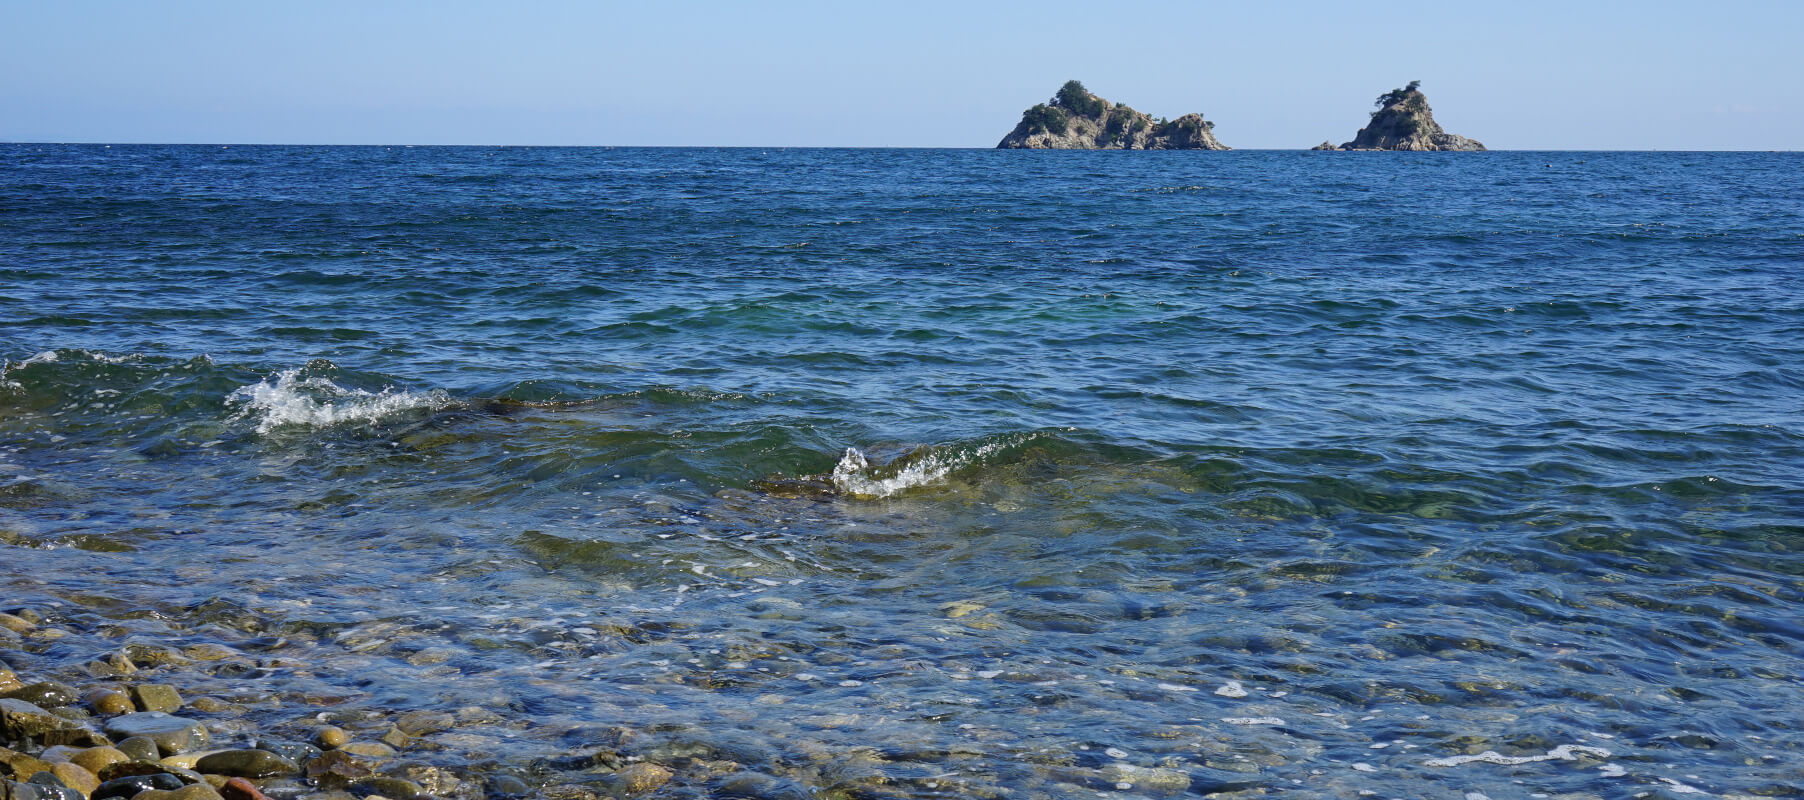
[855, 476]
[296, 398]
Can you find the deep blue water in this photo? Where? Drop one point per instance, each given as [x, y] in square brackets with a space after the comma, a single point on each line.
[984, 471]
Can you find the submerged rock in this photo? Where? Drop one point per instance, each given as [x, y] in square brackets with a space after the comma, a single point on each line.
[172, 734]
[1075, 119]
[1403, 121]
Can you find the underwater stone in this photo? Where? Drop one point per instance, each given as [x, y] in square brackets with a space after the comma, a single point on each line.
[172, 734]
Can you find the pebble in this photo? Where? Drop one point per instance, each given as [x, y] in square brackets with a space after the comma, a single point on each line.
[507, 786]
[15, 624]
[76, 777]
[20, 765]
[331, 737]
[387, 787]
[139, 748]
[131, 785]
[20, 719]
[156, 697]
[172, 734]
[240, 789]
[46, 694]
[246, 764]
[109, 702]
[9, 682]
[369, 749]
[195, 791]
[640, 778]
[95, 759]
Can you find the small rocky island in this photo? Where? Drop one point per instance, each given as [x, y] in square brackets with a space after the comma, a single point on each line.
[1075, 119]
[1403, 121]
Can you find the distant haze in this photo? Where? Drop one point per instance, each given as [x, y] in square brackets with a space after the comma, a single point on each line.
[1521, 75]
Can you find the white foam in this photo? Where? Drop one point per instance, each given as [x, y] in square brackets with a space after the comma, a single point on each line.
[853, 472]
[293, 401]
[1565, 752]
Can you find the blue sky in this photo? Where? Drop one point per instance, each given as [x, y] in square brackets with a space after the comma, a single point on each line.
[1515, 75]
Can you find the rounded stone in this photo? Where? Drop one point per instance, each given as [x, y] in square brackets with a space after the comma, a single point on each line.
[368, 749]
[396, 788]
[130, 786]
[331, 737]
[246, 764]
[76, 777]
[172, 734]
[240, 789]
[293, 751]
[139, 748]
[109, 702]
[156, 697]
[193, 791]
[95, 759]
[45, 694]
[507, 786]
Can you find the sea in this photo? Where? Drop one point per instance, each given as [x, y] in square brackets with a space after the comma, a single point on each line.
[927, 473]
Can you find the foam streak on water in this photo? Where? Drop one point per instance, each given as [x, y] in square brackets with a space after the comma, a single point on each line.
[293, 401]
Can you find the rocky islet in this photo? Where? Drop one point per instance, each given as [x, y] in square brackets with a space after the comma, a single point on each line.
[1076, 119]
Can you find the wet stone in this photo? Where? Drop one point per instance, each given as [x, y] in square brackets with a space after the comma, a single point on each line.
[131, 785]
[172, 734]
[293, 751]
[76, 778]
[109, 702]
[213, 705]
[506, 787]
[156, 697]
[95, 759]
[197, 791]
[369, 749]
[19, 765]
[397, 788]
[46, 694]
[394, 737]
[336, 769]
[432, 780]
[21, 720]
[127, 769]
[331, 737]
[759, 786]
[9, 682]
[420, 723]
[246, 764]
[640, 778]
[139, 748]
[16, 790]
[15, 624]
[240, 789]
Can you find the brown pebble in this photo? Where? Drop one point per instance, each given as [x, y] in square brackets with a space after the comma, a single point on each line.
[95, 759]
[331, 737]
[641, 777]
[76, 777]
[15, 624]
[240, 789]
[108, 701]
[368, 749]
[9, 682]
[194, 791]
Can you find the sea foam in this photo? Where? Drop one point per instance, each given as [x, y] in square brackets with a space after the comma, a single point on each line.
[316, 402]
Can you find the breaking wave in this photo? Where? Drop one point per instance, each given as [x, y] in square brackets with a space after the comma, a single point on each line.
[295, 399]
[855, 476]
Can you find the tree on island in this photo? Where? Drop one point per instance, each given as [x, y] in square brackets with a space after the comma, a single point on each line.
[1397, 95]
[1073, 97]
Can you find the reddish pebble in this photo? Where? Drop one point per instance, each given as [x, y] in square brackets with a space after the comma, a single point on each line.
[240, 789]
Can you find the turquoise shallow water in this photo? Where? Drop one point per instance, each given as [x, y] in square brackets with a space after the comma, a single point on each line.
[990, 472]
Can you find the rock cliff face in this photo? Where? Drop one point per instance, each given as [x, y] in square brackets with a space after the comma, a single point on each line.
[1079, 120]
[1403, 121]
